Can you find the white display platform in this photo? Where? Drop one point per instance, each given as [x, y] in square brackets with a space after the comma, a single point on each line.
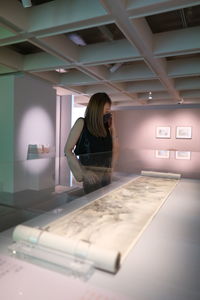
[164, 264]
[22, 280]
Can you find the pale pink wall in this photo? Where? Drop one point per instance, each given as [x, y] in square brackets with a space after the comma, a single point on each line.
[136, 130]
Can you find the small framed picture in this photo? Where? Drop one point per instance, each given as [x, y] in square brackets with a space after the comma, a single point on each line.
[183, 155]
[163, 132]
[183, 132]
[162, 153]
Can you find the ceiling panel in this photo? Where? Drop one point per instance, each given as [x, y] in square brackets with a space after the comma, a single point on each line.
[127, 49]
[96, 35]
[24, 48]
[173, 20]
[35, 2]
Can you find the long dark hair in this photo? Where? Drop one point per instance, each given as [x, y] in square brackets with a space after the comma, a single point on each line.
[94, 114]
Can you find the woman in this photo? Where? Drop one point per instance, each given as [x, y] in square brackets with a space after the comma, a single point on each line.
[93, 138]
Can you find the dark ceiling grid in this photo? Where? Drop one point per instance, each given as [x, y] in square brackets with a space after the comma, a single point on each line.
[24, 48]
[99, 34]
[38, 2]
[174, 20]
[108, 58]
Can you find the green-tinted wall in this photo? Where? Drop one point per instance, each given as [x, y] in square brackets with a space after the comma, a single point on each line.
[6, 132]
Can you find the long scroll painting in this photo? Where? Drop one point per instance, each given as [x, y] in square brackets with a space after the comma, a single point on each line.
[113, 222]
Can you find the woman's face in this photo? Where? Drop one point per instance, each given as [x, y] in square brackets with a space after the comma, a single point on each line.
[106, 108]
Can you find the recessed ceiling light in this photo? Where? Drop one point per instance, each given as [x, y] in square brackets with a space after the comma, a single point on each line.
[150, 96]
[77, 39]
[61, 70]
[115, 67]
[26, 3]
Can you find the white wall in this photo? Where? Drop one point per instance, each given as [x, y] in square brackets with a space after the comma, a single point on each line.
[28, 112]
[35, 121]
[77, 112]
[136, 130]
[69, 113]
[65, 126]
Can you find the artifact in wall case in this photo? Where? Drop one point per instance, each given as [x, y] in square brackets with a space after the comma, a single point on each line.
[32, 149]
[46, 149]
[40, 149]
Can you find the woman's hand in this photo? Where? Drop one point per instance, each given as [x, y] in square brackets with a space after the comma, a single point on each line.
[90, 177]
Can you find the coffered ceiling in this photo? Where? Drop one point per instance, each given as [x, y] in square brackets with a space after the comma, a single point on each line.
[141, 52]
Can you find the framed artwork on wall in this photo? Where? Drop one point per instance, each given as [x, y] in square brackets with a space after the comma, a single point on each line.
[162, 153]
[183, 132]
[163, 132]
[183, 155]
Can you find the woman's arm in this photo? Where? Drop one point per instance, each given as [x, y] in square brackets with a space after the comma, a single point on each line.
[74, 135]
[115, 142]
[72, 139]
[114, 134]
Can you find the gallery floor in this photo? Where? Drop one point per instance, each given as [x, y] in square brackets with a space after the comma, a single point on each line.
[164, 263]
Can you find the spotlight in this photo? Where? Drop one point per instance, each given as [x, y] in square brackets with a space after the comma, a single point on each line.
[77, 39]
[150, 96]
[26, 3]
[115, 67]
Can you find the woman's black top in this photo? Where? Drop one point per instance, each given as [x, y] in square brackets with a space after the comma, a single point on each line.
[94, 150]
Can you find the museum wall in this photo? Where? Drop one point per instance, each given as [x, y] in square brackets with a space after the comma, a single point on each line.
[138, 143]
[28, 120]
[6, 132]
[65, 126]
[34, 135]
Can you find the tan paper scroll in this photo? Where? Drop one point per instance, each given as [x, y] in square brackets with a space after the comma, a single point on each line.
[102, 258]
[106, 229]
[161, 174]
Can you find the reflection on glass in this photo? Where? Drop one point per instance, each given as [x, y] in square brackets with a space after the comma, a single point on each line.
[183, 154]
[28, 188]
[94, 170]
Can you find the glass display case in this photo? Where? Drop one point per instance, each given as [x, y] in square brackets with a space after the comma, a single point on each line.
[106, 224]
